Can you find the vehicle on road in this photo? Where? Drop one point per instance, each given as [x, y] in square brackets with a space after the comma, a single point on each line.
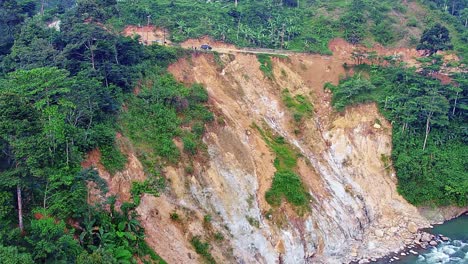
[206, 47]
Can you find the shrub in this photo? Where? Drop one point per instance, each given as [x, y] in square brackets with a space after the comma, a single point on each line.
[203, 249]
[190, 145]
[112, 159]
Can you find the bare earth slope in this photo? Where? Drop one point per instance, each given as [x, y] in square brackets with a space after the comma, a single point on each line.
[356, 211]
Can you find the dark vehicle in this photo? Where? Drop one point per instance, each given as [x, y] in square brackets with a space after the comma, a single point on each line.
[206, 47]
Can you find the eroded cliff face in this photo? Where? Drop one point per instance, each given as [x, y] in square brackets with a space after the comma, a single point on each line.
[356, 211]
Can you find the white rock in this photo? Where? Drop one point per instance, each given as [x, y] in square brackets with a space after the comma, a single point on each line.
[413, 252]
[377, 126]
[403, 254]
[426, 237]
[433, 243]
[379, 233]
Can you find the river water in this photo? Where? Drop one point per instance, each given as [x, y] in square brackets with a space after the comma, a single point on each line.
[454, 251]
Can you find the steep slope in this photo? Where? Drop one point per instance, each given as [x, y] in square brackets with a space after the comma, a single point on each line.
[355, 212]
[355, 208]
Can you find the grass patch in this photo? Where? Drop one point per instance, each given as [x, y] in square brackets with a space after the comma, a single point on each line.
[286, 183]
[299, 104]
[203, 249]
[253, 222]
[112, 158]
[266, 65]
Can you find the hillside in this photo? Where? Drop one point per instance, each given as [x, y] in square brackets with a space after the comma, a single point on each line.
[309, 132]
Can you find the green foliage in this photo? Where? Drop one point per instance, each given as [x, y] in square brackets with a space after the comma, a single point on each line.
[149, 186]
[429, 140]
[190, 146]
[11, 255]
[286, 183]
[154, 117]
[434, 39]
[207, 218]
[218, 236]
[51, 241]
[174, 216]
[266, 65]
[202, 248]
[352, 90]
[299, 104]
[289, 185]
[112, 158]
[252, 221]
[62, 90]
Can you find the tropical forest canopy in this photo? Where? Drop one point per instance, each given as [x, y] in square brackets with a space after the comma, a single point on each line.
[62, 94]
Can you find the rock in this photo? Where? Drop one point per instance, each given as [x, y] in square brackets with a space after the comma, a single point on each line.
[426, 237]
[412, 227]
[373, 259]
[403, 254]
[362, 261]
[379, 233]
[418, 237]
[353, 254]
[413, 252]
[444, 238]
[377, 126]
[396, 258]
[393, 230]
[433, 243]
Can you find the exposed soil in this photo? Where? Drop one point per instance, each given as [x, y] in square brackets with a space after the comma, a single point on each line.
[148, 34]
[354, 191]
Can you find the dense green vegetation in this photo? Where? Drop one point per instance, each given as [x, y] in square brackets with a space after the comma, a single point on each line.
[299, 104]
[61, 94]
[430, 150]
[286, 183]
[292, 24]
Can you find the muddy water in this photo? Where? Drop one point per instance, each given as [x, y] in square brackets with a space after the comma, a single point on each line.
[454, 251]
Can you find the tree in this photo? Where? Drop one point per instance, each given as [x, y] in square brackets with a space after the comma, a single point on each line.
[11, 255]
[51, 241]
[434, 39]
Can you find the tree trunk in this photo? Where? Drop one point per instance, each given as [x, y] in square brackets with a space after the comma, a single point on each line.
[238, 27]
[44, 202]
[428, 128]
[455, 104]
[20, 208]
[42, 7]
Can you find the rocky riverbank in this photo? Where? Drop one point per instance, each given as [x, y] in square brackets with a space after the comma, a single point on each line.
[422, 241]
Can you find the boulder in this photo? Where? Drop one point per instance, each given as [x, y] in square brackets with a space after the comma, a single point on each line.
[433, 243]
[412, 227]
[413, 252]
[379, 233]
[393, 230]
[444, 238]
[426, 237]
[377, 126]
